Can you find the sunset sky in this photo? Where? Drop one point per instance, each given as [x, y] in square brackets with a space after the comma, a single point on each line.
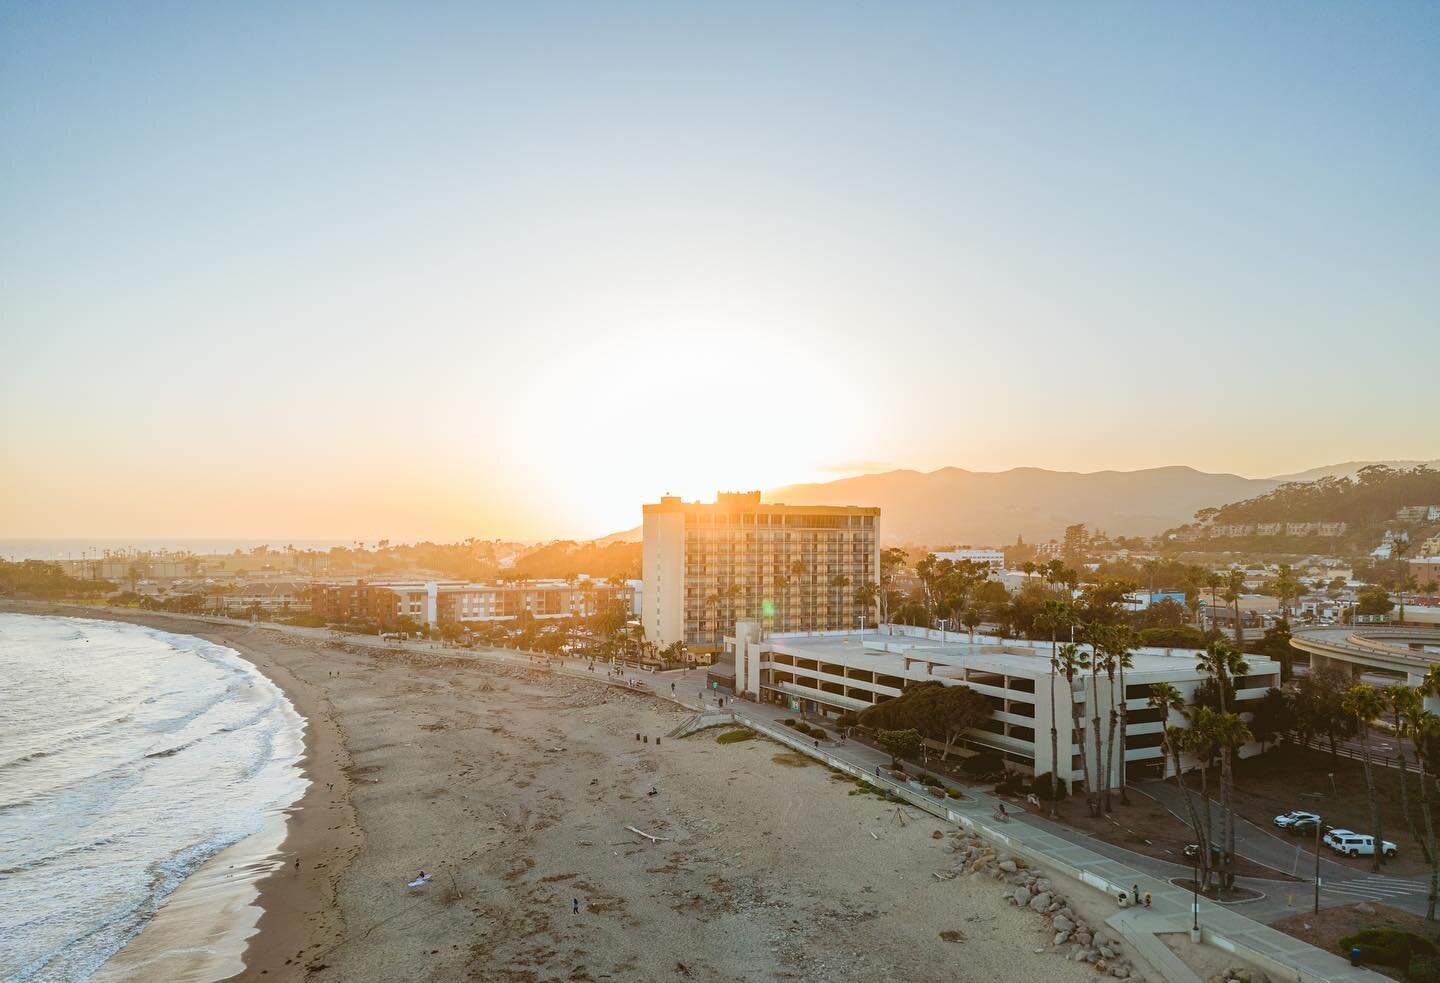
[443, 269]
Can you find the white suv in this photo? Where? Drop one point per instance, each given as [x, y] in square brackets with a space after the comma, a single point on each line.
[1338, 834]
[1358, 845]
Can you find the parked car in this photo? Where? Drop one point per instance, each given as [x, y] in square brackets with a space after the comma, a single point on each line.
[1306, 827]
[1291, 818]
[1334, 834]
[1359, 845]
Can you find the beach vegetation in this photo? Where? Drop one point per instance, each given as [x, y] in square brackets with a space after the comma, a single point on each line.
[735, 736]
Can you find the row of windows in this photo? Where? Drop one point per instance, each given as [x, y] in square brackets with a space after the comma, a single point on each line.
[760, 519]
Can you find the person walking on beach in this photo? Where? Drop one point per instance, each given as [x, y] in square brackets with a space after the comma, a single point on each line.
[575, 905]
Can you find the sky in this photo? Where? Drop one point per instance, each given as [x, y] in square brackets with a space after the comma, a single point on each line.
[439, 270]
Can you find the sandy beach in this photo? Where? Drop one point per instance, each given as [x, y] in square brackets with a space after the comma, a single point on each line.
[513, 789]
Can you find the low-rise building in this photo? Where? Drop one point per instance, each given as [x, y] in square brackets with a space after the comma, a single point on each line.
[994, 559]
[441, 602]
[829, 673]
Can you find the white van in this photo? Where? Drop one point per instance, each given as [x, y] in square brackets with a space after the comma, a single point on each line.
[1358, 845]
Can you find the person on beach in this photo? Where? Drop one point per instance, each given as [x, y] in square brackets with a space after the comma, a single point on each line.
[1135, 892]
[575, 905]
[1147, 900]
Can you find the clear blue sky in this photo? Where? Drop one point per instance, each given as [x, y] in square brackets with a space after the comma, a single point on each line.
[462, 269]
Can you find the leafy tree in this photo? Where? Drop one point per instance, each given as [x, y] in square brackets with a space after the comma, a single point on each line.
[1274, 715]
[1319, 710]
[899, 744]
[1276, 645]
[1373, 600]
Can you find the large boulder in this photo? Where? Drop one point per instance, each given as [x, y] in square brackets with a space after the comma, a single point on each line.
[1040, 902]
[1062, 924]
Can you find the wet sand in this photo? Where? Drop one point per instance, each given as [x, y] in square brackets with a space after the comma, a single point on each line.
[514, 788]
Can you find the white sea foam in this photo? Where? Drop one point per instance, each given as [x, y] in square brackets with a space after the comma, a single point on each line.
[128, 757]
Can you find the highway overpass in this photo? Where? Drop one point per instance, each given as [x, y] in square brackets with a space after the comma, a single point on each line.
[1402, 651]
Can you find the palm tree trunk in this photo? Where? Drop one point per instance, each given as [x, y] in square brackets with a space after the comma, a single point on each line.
[1195, 824]
[1110, 745]
[1124, 726]
[1429, 843]
[1206, 815]
[1093, 794]
[1227, 815]
[1054, 732]
[1374, 805]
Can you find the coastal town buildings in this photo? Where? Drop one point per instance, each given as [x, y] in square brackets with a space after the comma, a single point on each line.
[828, 673]
[441, 602]
[791, 568]
[994, 559]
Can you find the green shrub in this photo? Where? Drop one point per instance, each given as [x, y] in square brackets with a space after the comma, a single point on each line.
[789, 721]
[1387, 946]
[1423, 969]
[952, 793]
[1041, 788]
[925, 778]
[984, 764]
[734, 736]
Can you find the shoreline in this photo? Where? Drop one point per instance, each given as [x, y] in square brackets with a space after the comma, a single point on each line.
[213, 926]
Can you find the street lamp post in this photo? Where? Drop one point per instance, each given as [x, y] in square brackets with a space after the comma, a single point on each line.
[1317, 865]
[1195, 899]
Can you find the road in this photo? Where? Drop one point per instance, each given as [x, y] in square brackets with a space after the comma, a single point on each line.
[1339, 883]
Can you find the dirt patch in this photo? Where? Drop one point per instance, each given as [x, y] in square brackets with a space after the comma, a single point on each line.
[1326, 929]
[791, 759]
[952, 935]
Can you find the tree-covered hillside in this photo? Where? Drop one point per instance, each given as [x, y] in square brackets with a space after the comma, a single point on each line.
[1373, 496]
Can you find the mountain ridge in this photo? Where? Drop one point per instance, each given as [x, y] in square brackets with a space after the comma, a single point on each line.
[952, 504]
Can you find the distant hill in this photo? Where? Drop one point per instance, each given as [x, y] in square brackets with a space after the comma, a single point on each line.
[1350, 468]
[953, 505]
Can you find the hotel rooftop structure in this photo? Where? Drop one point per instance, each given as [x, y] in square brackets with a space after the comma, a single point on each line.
[827, 673]
[792, 567]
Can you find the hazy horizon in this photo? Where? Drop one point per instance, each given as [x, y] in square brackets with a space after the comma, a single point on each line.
[323, 272]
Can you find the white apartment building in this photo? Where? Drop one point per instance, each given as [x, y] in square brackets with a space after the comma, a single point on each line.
[994, 559]
[790, 568]
[827, 673]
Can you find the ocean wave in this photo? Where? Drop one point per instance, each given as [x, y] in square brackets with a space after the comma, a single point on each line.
[103, 838]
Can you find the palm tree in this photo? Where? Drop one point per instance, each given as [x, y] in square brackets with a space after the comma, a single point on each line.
[1424, 728]
[1097, 662]
[1398, 548]
[1166, 699]
[1124, 640]
[1286, 588]
[1363, 702]
[1107, 639]
[1072, 660]
[1200, 741]
[1404, 703]
[1055, 615]
[1224, 663]
[1234, 586]
[865, 597]
[1230, 733]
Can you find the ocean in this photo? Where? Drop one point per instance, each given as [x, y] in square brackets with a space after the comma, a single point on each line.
[128, 757]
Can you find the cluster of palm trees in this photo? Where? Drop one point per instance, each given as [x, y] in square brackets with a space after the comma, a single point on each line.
[1405, 707]
[1207, 733]
[1101, 648]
